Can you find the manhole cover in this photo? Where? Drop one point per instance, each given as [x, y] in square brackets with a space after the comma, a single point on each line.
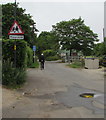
[87, 95]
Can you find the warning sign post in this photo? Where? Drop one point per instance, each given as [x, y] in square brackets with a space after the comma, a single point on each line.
[15, 33]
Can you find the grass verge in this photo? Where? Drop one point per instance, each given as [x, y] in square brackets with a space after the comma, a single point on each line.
[75, 65]
[35, 65]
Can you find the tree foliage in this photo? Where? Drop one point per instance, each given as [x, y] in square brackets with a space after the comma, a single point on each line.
[100, 49]
[74, 34]
[47, 41]
[24, 20]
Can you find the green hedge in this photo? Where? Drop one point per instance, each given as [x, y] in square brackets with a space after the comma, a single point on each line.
[29, 56]
[8, 52]
[12, 77]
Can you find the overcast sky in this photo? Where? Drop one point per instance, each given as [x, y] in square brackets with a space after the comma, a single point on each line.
[46, 14]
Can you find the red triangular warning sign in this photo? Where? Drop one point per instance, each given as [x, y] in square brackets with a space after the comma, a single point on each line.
[15, 29]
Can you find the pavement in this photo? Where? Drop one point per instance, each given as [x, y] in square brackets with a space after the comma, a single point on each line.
[55, 93]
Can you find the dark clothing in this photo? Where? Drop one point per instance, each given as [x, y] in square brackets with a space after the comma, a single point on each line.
[42, 65]
[41, 59]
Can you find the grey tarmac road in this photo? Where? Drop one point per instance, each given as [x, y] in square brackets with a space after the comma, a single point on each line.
[55, 93]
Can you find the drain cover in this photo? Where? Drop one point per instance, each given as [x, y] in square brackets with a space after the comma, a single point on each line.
[87, 95]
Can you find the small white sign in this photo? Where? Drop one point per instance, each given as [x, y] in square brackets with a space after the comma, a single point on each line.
[16, 36]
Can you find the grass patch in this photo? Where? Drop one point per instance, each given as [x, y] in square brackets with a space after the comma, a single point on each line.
[89, 56]
[35, 65]
[75, 65]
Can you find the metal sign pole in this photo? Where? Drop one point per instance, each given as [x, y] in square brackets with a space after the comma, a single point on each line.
[34, 56]
[34, 49]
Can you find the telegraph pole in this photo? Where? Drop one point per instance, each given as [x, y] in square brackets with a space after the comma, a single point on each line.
[15, 8]
[15, 33]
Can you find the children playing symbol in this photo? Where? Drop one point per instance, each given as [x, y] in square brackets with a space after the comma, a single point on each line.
[15, 29]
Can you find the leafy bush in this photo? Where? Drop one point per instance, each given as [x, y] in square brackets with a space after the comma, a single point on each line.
[29, 56]
[8, 52]
[52, 58]
[12, 77]
[30, 63]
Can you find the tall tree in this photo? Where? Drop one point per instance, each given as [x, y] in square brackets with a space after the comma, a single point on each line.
[74, 34]
[47, 40]
[24, 20]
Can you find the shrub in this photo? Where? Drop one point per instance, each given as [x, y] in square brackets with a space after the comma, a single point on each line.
[8, 52]
[12, 77]
[29, 56]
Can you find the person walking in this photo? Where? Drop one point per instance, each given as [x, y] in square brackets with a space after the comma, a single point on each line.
[42, 60]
